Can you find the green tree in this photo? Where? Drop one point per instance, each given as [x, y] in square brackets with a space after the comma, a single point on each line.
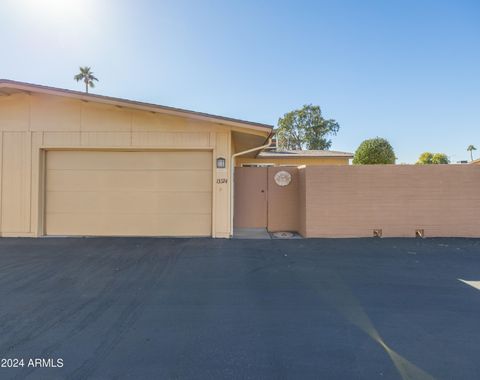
[373, 152]
[86, 75]
[440, 158]
[425, 158]
[470, 149]
[305, 129]
[428, 158]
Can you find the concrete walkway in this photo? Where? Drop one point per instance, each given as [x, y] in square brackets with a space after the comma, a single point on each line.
[251, 233]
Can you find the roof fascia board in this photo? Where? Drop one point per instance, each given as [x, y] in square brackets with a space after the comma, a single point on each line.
[306, 156]
[260, 133]
[34, 88]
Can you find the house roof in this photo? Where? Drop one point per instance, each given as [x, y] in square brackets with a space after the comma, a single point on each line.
[9, 86]
[303, 153]
[477, 161]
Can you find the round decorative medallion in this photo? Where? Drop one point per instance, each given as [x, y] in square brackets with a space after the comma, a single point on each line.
[282, 178]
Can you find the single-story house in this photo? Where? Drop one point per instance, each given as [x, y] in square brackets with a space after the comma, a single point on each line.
[476, 162]
[73, 163]
[77, 164]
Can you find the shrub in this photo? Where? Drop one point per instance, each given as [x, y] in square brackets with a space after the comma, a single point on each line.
[375, 151]
[427, 158]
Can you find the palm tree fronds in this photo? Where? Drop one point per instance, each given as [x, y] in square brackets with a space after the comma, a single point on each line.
[86, 75]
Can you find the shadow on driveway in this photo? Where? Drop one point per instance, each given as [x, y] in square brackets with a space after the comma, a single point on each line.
[203, 308]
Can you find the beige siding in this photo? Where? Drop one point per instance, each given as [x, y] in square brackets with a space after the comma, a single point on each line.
[128, 193]
[14, 113]
[170, 139]
[15, 182]
[59, 139]
[53, 113]
[105, 118]
[222, 186]
[107, 139]
[31, 124]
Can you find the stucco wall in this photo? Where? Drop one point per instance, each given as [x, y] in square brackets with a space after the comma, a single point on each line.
[351, 201]
[310, 161]
[283, 202]
[33, 123]
[302, 202]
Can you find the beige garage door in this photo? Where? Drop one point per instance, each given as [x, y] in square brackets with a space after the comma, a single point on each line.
[129, 193]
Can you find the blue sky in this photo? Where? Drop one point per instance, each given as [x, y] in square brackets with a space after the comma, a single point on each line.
[408, 71]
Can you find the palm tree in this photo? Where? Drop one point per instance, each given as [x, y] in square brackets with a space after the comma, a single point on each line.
[86, 74]
[470, 149]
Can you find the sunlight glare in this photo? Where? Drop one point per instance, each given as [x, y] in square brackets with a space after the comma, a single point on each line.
[54, 8]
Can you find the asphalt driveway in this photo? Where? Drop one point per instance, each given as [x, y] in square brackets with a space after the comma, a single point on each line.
[144, 308]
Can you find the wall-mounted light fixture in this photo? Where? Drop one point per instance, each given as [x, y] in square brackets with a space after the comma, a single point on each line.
[221, 163]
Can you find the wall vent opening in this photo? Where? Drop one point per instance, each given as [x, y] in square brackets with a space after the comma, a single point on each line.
[419, 233]
[377, 233]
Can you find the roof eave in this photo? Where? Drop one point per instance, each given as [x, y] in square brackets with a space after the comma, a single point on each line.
[305, 156]
[29, 87]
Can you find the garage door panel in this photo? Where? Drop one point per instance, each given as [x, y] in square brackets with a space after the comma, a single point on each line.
[111, 180]
[129, 193]
[98, 160]
[97, 224]
[129, 202]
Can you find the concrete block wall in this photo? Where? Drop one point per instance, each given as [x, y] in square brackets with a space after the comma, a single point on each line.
[352, 201]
